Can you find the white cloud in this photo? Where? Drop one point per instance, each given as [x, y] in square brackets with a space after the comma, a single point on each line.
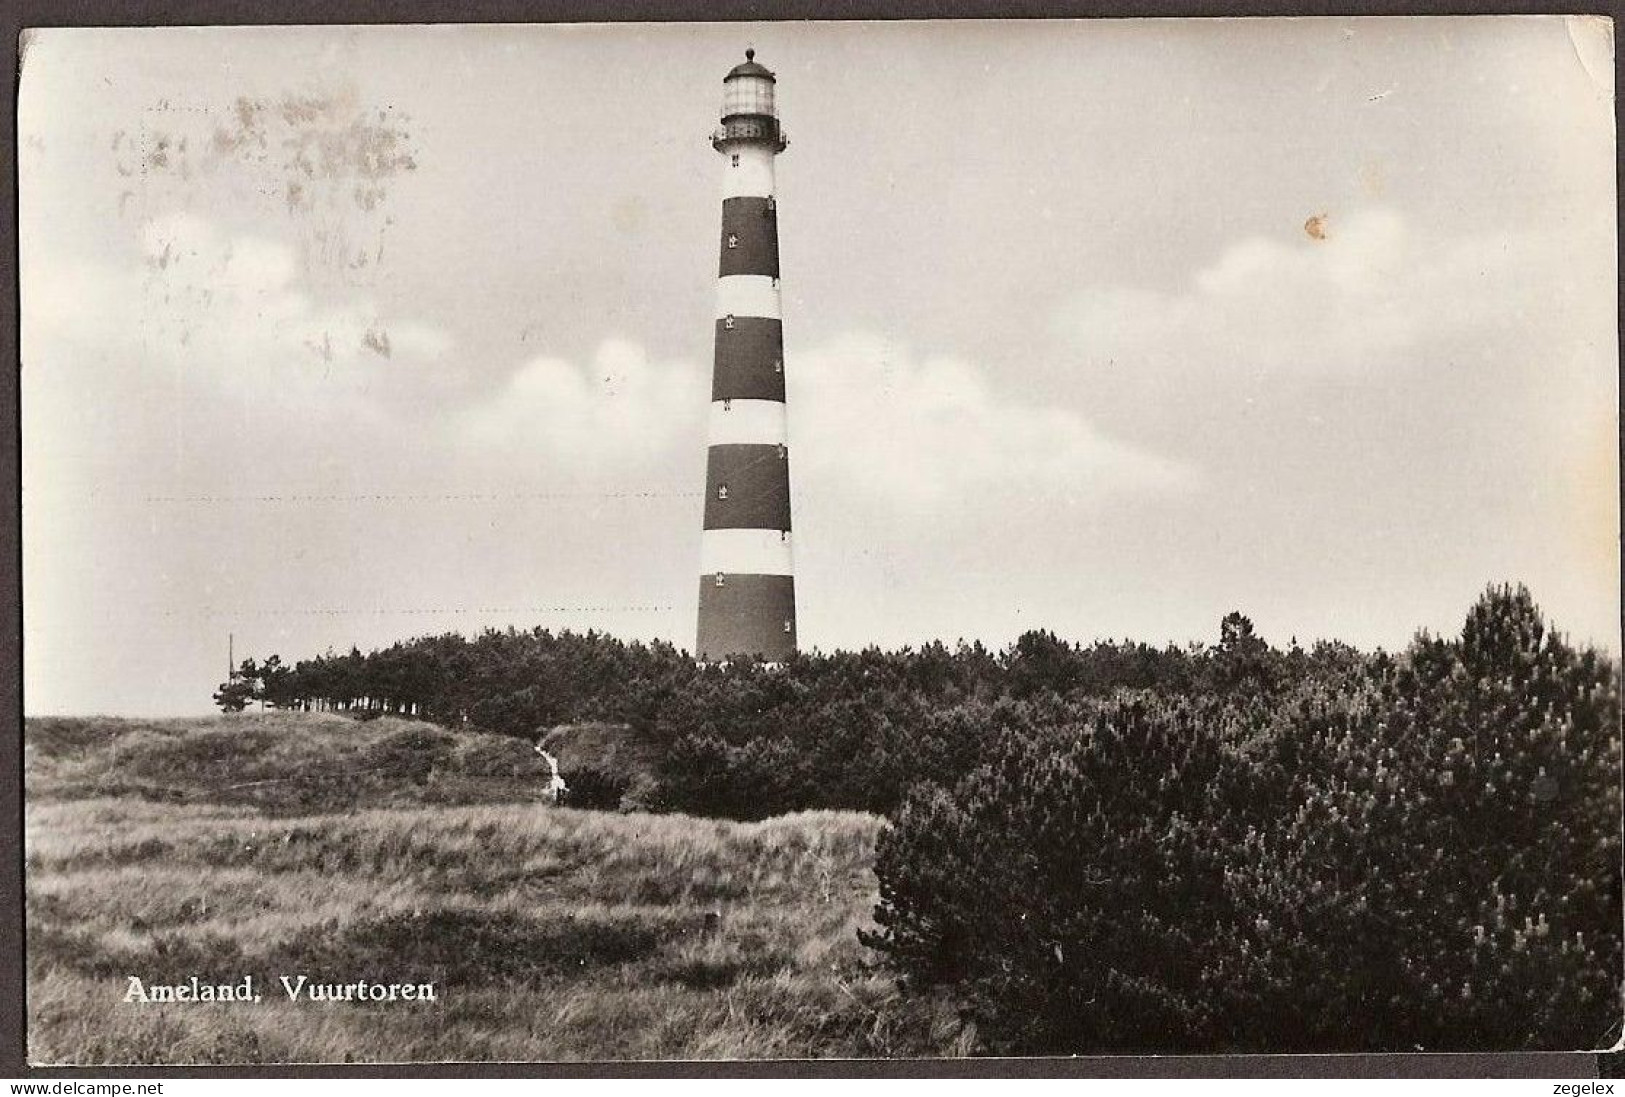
[1369, 293]
[876, 420]
[617, 409]
[242, 293]
[228, 311]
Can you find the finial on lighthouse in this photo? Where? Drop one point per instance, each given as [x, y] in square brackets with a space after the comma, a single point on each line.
[750, 54]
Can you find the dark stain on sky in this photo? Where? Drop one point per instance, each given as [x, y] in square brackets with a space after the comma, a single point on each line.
[318, 148]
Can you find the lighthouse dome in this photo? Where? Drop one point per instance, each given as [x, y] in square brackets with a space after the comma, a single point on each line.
[749, 67]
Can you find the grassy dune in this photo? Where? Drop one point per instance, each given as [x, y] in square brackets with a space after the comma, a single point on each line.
[297, 844]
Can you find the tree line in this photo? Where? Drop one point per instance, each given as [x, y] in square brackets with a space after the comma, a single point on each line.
[746, 740]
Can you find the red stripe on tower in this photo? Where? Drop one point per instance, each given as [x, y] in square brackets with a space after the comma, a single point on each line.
[747, 584]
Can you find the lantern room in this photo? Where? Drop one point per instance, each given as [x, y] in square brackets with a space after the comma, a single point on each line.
[748, 113]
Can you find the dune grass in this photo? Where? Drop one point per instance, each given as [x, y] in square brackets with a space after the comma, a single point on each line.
[178, 848]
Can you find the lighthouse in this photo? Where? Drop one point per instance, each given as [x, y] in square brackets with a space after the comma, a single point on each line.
[747, 582]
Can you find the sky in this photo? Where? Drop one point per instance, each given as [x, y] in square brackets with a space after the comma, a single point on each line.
[335, 336]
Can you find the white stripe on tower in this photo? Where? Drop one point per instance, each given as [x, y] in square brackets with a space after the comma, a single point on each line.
[749, 422]
[747, 584]
[747, 295]
[746, 552]
[752, 177]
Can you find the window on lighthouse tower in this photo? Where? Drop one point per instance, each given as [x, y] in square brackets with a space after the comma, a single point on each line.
[722, 491]
[733, 241]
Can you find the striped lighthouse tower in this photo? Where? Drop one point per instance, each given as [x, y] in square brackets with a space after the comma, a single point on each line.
[747, 585]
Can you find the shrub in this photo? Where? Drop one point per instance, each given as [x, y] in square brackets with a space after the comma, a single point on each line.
[606, 766]
[1424, 855]
[593, 788]
[1068, 886]
[1453, 855]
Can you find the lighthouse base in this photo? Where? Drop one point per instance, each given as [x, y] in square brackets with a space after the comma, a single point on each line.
[747, 615]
